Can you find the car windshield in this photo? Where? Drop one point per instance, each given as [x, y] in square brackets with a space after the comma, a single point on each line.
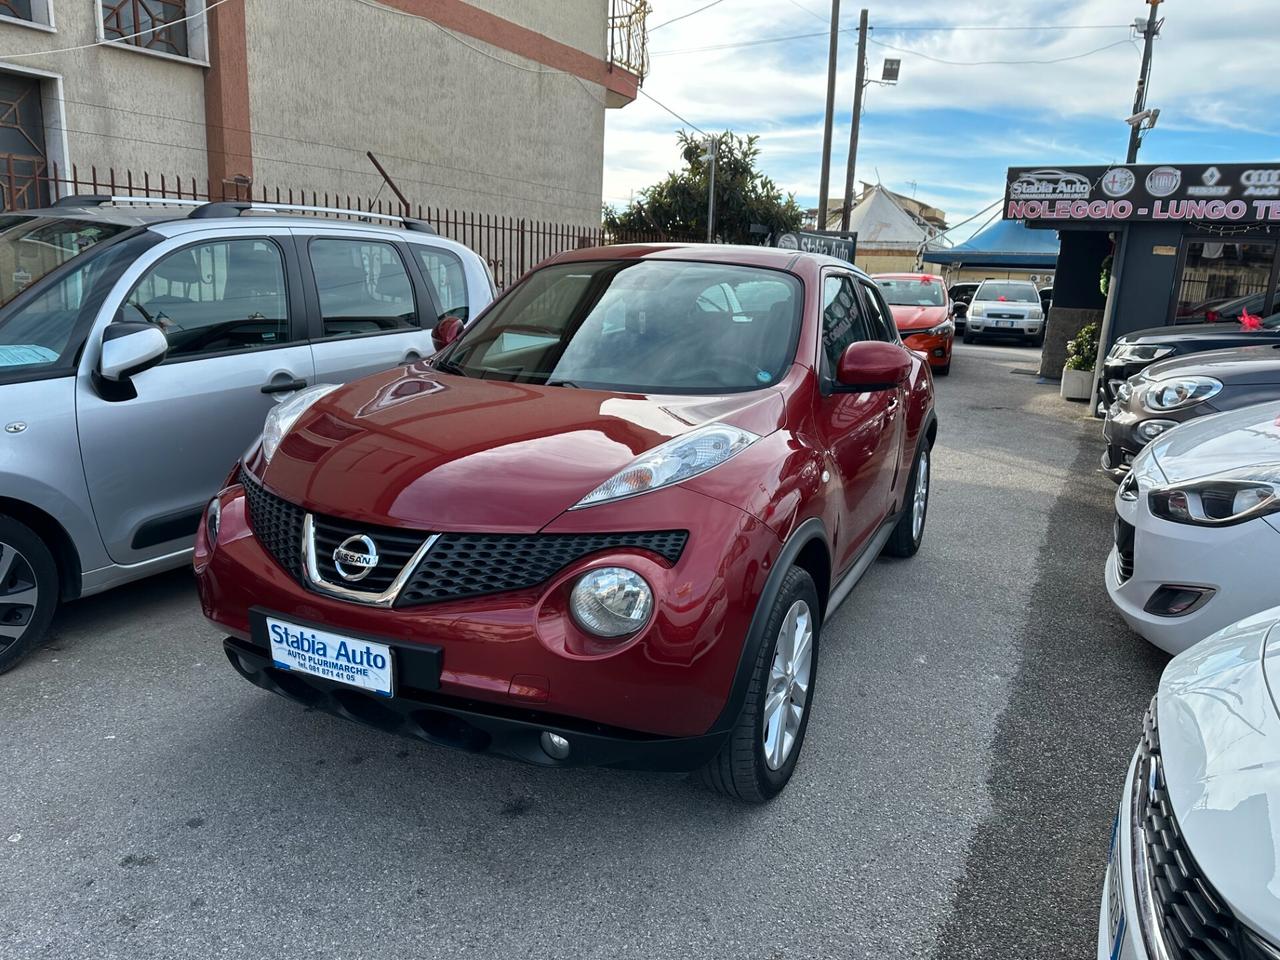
[638, 326]
[915, 293]
[37, 331]
[1017, 292]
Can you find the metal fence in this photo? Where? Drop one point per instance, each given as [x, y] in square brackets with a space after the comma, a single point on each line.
[510, 245]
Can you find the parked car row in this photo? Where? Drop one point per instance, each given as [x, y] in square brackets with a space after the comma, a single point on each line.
[1193, 437]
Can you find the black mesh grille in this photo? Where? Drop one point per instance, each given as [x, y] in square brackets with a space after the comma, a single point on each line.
[1124, 548]
[276, 523]
[470, 565]
[395, 549]
[1195, 922]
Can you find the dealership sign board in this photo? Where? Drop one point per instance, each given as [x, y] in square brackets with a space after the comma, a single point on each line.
[1211, 192]
[833, 243]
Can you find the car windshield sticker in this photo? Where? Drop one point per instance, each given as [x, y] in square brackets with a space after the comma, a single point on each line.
[764, 376]
[25, 354]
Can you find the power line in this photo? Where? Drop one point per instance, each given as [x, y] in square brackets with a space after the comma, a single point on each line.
[984, 63]
[685, 16]
[649, 96]
[110, 40]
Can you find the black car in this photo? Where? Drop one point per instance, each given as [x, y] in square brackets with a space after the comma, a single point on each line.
[961, 295]
[1170, 392]
[1135, 351]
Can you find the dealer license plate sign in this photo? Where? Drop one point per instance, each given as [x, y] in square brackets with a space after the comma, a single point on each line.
[358, 663]
[1115, 896]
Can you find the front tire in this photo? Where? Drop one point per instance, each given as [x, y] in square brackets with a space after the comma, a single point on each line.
[908, 534]
[943, 370]
[28, 591]
[760, 755]
[967, 337]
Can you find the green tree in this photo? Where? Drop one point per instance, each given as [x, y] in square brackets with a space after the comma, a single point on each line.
[676, 206]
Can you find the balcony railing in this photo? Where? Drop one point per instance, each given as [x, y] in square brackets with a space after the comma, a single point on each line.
[628, 36]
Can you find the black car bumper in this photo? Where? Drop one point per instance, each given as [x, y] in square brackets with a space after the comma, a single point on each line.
[477, 727]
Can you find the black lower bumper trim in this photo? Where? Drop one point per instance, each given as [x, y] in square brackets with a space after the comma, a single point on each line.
[474, 727]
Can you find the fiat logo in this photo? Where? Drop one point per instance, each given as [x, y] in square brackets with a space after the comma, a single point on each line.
[355, 557]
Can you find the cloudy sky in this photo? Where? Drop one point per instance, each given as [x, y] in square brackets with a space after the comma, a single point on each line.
[947, 131]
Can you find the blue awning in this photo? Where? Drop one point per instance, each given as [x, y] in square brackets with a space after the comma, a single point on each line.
[1007, 244]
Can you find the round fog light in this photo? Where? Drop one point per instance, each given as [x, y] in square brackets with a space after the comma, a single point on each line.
[554, 746]
[611, 601]
[1150, 429]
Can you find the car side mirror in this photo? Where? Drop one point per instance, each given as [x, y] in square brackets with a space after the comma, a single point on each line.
[129, 347]
[959, 309]
[446, 331]
[873, 365]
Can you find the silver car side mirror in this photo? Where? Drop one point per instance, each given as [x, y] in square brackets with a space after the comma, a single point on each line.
[130, 347]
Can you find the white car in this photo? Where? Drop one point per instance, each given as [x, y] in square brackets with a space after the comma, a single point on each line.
[1194, 869]
[1198, 529]
[1005, 308]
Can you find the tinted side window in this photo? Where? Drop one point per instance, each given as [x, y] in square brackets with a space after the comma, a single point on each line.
[363, 287]
[443, 271]
[213, 297]
[842, 319]
[879, 319]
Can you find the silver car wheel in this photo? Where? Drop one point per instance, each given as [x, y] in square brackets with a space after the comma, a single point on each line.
[789, 679]
[19, 595]
[920, 503]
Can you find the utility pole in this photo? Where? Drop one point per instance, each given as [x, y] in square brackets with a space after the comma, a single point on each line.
[712, 149]
[1140, 98]
[824, 186]
[859, 83]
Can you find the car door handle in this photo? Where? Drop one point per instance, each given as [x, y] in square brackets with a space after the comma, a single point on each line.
[284, 386]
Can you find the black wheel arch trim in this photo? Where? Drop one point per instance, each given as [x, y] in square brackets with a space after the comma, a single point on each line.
[810, 530]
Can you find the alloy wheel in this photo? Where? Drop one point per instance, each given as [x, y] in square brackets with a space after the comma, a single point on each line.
[920, 502]
[19, 595]
[789, 680]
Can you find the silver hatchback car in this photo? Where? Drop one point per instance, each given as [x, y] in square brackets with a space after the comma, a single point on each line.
[141, 348]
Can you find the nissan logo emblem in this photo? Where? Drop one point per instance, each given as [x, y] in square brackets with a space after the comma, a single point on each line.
[355, 557]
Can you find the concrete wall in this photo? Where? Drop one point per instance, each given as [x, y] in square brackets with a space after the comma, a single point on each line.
[105, 92]
[452, 120]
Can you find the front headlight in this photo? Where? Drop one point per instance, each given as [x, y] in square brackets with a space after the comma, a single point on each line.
[1138, 352]
[285, 414]
[611, 601]
[1220, 500]
[1035, 313]
[940, 330]
[678, 459]
[977, 311]
[1179, 392]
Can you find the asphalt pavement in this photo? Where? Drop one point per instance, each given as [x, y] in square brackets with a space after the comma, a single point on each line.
[975, 708]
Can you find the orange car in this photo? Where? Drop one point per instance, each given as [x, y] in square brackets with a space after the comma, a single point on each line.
[922, 311]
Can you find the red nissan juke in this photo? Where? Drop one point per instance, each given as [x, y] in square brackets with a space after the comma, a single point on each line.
[604, 525]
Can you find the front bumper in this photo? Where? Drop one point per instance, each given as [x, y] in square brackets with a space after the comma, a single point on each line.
[1235, 562]
[935, 346]
[474, 726]
[1119, 925]
[989, 327]
[520, 650]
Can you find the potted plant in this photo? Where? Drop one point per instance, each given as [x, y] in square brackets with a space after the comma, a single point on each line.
[1082, 355]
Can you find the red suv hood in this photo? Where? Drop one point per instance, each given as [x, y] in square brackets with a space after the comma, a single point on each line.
[416, 448]
[908, 317]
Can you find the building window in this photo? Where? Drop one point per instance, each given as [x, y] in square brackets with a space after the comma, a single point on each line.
[158, 25]
[34, 12]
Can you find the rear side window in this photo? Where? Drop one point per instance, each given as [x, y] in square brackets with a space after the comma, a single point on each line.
[443, 271]
[215, 297]
[363, 288]
[843, 322]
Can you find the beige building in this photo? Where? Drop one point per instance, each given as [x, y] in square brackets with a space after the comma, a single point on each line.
[485, 106]
[892, 229]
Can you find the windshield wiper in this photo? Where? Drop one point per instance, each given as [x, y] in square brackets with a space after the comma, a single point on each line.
[448, 366]
[561, 383]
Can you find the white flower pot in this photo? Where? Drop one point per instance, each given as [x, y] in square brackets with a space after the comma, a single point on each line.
[1076, 384]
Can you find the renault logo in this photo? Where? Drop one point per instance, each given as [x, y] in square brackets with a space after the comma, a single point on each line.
[355, 557]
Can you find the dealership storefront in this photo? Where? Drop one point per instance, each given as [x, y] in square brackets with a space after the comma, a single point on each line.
[1175, 241]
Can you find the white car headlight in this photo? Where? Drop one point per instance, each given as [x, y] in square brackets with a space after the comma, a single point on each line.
[1139, 352]
[611, 601]
[286, 413]
[678, 459]
[1222, 499]
[1035, 313]
[977, 311]
[1179, 392]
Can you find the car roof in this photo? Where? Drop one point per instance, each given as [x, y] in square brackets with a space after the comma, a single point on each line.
[730, 254]
[906, 276]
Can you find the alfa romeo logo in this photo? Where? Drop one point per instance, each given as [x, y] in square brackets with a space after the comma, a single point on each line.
[355, 557]
[1118, 182]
